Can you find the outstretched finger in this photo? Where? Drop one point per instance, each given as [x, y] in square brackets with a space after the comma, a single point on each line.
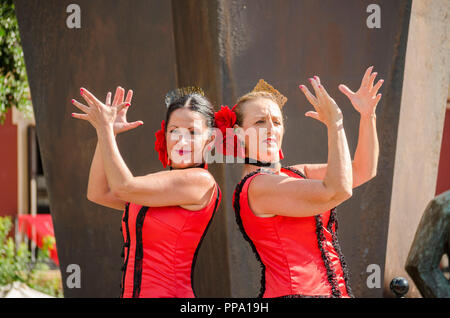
[324, 92]
[371, 80]
[108, 99]
[129, 96]
[134, 125]
[366, 76]
[317, 79]
[315, 85]
[310, 97]
[80, 116]
[377, 99]
[80, 106]
[89, 97]
[377, 87]
[312, 114]
[119, 91]
[346, 91]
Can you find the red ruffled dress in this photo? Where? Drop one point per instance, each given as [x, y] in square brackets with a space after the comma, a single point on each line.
[300, 256]
[160, 248]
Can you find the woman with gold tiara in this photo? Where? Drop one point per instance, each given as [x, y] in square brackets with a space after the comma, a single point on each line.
[288, 214]
[167, 213]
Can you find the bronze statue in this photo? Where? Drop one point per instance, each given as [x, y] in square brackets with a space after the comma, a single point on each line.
[432, 240]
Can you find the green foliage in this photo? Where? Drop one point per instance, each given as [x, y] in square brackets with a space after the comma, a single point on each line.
[14, 89]
[16, 263]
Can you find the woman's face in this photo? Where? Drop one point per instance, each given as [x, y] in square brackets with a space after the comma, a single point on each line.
[263, 127]
[187, 135]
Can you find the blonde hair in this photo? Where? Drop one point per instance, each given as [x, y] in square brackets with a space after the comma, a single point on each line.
[248, 97]
[261, 90]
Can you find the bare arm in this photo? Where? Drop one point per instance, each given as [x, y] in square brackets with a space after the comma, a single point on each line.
[281, 195]
[365, 161]
[193, 187]
[364, 165]
[98, 190]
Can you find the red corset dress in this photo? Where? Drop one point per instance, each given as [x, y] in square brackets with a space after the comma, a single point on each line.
[160, 248]
[300, 256]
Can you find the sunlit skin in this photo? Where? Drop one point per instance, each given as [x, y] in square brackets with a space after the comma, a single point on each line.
[263, 127]
[288, 196]
[328, 184]
[187, 136]
[112, 184]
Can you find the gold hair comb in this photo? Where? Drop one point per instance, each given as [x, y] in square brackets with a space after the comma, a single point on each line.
[263, 86]
[180, 92]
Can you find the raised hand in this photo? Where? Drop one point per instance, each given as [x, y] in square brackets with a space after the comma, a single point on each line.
[121, 124]
[365, 100]
[99, 114]
[326, 109]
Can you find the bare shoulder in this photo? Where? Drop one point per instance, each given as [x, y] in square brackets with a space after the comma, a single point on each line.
[265, 183]
[199, 177]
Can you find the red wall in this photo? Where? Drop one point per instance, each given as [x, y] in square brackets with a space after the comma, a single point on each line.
[443, 180]
[8, 167]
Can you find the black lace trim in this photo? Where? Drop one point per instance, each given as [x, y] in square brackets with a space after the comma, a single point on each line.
[139, 252]
[194, 260]
[331, 275]
[337, 247]
[237, 209]
[127, 245]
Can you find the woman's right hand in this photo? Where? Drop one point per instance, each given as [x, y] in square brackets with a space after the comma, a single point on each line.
[121, 124]
[327, 111]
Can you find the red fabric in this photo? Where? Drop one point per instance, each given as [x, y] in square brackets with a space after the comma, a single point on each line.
[288, 248]
[161, 145]
[170, 236]
[228, 144]
[44, 227]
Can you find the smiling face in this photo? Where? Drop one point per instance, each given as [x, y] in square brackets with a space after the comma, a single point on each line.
[262, 122]
[187, 135]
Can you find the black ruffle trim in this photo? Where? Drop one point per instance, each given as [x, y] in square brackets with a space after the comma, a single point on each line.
[337, 247]
[331, 275]
[237, 210]
[194, 260]
[326, 260]
[139, 252]
[125, 245]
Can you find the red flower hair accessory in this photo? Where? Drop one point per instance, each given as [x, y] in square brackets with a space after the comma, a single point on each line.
[226, 118]
[161, 145]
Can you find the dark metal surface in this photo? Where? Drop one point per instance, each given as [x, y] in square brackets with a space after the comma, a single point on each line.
[223, 46]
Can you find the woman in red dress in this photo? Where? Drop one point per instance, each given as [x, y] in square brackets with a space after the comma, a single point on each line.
[288, 214]
[167, 213]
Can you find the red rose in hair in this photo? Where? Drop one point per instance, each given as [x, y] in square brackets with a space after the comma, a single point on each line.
[161, 146]
[226, 118]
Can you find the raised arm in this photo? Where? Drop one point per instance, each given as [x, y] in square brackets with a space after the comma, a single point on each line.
[98, 189]
[365, 161]
[191, 187]
[274, 194]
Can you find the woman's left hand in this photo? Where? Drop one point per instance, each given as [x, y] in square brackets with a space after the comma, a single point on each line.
[365, 100]
[97, 113]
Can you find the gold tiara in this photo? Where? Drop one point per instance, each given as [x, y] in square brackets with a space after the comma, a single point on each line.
[263, 86]
[180, 92]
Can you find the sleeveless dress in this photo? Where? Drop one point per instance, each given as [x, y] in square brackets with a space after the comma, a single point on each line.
[160, 248]
[299, 256]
